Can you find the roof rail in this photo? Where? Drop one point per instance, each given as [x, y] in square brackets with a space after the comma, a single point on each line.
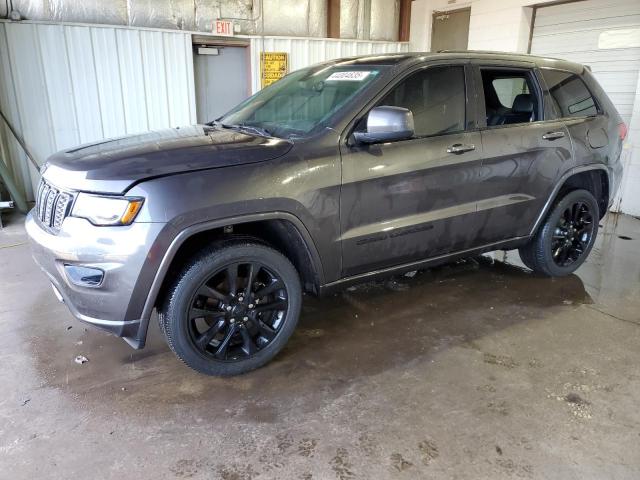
[486, 52]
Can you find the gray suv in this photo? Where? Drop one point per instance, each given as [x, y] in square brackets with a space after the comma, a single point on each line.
[336, 174]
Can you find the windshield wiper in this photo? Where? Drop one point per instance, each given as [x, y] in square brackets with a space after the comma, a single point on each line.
[262, 132]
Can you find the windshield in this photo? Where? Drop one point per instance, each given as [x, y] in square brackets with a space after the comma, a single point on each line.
[300, 101]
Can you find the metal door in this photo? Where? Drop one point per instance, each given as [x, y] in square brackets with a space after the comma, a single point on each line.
[521, 165]
[450, 30]
[409, 200]
[221, 81]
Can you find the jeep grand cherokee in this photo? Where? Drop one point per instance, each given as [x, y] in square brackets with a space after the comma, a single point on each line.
[335, 174]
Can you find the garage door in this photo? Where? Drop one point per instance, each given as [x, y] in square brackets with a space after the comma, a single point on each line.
[604, 34]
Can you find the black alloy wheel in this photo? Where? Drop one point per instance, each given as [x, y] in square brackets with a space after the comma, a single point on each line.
[566, 236]
[573, 234]
[232, 307]
[237, 311]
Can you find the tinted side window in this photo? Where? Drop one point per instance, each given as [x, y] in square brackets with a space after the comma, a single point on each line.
[569, 94]
[435, 96]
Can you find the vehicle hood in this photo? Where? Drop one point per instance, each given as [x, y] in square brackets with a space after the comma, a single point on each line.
[114, 165]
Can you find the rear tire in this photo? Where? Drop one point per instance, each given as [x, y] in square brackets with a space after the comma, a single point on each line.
[232, 308]
[565, 239]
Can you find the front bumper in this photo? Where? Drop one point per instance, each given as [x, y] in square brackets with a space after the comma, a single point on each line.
[119, 252]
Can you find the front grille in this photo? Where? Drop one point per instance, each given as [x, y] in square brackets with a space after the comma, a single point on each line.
[52, 205]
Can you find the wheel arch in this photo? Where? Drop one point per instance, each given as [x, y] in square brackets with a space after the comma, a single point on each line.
[594, 178]
[280, 230]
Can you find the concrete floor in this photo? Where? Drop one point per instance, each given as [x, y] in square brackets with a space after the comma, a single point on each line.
[474, 370]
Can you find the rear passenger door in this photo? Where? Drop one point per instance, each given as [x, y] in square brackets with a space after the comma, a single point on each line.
[524, 148]
[571, 100]
[407, 200]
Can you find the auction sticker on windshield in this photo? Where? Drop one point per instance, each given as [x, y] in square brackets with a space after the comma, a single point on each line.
[355, 76]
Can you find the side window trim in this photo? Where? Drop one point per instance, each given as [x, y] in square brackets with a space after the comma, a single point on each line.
[559, 116]
[470, 110]
[529, 70]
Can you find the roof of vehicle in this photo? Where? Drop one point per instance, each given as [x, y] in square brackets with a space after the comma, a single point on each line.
[415, 57]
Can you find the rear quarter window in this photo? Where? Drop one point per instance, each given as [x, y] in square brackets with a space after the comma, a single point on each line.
[569, 94]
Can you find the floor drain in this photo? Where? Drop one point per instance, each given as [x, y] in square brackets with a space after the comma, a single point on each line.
[624, 237]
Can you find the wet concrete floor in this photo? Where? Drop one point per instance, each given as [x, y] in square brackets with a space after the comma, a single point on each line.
[473, 370]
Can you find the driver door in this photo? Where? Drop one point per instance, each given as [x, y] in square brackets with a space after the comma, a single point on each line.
[414, 199]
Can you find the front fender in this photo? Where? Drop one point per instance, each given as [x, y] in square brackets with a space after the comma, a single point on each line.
[152, 288]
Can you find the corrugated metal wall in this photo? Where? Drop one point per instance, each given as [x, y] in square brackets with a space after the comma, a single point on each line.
[307, 51]
[577, 31]
[63, 85]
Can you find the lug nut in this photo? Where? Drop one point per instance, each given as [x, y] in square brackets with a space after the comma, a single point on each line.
[245, 319]
[233, 320]
[240, 299]
[229, 308]
[251, 305]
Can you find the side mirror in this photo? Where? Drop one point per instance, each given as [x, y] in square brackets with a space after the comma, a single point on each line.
[386, 124]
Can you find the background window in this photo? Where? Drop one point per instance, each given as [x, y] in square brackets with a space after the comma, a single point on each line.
[435, 96]
[508, 89]
[508, 97]
[570, 95]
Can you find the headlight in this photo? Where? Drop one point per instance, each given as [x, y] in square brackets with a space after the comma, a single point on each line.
[104, 210]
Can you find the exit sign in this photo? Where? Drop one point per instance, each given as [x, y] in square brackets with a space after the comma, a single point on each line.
[223, 28]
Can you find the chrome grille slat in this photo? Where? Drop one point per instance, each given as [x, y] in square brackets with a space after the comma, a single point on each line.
[52, 205]
[43, 192]
[61, 209]
[48, 210]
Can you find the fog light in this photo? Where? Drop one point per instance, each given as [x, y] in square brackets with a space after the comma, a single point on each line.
[84, 276]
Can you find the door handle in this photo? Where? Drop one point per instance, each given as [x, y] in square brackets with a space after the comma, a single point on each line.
[459, 148]
[553, 135]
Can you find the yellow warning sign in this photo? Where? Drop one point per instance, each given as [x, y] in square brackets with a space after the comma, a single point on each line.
[273, 66]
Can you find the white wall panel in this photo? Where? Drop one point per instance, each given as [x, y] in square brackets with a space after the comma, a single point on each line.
[25, 60]
[62, 85]
[132, 78]
[109, 87]
[307, 51]
[155, 79]
[86, 102]
[178, 58]
[11, 151]
[58, 81]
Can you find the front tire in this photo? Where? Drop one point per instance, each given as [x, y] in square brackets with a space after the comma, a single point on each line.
[565, 239]
[232, 308]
